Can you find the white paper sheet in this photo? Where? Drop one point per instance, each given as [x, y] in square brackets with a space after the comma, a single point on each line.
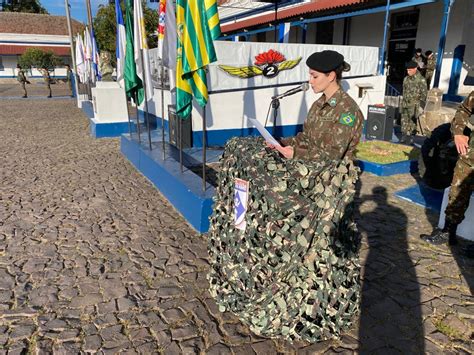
[263, 131]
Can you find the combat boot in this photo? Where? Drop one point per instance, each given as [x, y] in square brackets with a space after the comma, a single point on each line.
[441, 236]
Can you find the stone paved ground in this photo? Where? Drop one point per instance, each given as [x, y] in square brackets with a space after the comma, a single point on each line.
[94, 259]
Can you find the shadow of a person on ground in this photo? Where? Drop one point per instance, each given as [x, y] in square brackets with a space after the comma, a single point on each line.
[390, 307]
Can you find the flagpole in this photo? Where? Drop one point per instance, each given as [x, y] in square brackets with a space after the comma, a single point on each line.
[180, 128]
[73, 54]
[163, 108]
[89, 22]
[147, 117]
[138, 117]
[204, 149]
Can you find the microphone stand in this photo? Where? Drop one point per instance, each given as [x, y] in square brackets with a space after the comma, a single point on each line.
[275, 105]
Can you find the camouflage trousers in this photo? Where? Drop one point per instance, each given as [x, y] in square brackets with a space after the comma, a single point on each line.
[409, 119]
[23, 86]
[428, 77]
[462, 187]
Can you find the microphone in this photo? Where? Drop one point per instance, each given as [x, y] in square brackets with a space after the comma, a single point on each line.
[302, 87]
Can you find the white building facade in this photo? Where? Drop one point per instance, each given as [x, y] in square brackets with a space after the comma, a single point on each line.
[411, 24]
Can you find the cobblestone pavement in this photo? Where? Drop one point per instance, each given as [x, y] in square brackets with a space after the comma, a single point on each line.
[94, 259]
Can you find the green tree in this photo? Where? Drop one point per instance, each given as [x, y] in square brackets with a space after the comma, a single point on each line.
[31, 6]
[105, 26]
[38, 58]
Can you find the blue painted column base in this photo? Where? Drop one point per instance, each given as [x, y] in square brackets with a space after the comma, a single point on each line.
[109, 129]
[183, 190]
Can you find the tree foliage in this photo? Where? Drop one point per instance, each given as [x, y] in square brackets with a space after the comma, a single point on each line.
[30, 6]
[105, 26]
[38, 58]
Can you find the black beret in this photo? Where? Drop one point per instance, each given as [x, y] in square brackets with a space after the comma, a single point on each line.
[412, 64]
[327, 61]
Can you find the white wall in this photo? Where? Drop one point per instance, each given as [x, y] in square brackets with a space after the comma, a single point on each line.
[226, 110]
[367, 30]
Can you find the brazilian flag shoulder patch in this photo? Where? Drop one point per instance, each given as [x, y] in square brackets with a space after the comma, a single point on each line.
[347, 119]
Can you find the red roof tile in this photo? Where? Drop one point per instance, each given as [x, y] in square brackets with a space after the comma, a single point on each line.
[7, 49]
[21, 22]
[315, 6]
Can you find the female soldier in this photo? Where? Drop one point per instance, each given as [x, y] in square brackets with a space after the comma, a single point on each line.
[334, 123]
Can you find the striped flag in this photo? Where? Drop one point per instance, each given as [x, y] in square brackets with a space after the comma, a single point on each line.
[140, 47]
[120, 44]
[133, 83]
[198, 25]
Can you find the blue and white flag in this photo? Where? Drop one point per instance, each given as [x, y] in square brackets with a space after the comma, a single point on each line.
[95, 58]
[120, 44]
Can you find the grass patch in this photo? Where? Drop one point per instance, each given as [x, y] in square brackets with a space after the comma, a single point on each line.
[447, 330]
[385, 152]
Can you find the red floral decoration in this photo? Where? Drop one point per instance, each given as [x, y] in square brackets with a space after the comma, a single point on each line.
[270, 57]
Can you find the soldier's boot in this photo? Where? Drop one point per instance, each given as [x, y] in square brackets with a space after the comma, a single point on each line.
[452, 228]
[441, 236]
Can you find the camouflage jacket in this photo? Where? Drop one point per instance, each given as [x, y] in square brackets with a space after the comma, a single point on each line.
[464, 118]
[21, 77]
[332, 129]
[414, 90]
[431, 63]
[46, 76]
[419, 60]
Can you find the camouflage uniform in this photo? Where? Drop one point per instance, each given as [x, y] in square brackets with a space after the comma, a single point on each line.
[69, 79]
[420, 60]
[47, 80]
[21, 77]
[430, 68]
[414, 94]
[462, 185]
[331, 130]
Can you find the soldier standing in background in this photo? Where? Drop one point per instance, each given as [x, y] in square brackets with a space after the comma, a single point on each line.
[430, 67]
[47, 80]
[69, 78]
[419, 59]
[334, 123]
[21, 77]
[414, 98]
[462, 185]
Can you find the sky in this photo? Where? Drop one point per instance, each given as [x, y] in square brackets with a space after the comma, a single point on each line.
[78, 8]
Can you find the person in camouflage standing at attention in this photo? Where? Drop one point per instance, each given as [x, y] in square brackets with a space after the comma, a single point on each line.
[414, 98]
[430, 67]
[334, 123]
[69, 79]
[21, 77]
[462, 185]
[47, 80]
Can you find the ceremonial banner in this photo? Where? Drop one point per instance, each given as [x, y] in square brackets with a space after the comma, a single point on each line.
[120, 43]
[140, 47]
[197, 25]
[133, 83]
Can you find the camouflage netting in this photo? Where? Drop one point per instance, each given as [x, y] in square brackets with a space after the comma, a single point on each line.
[294, 272]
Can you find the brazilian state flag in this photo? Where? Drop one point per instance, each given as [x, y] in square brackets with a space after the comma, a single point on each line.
[197, 26]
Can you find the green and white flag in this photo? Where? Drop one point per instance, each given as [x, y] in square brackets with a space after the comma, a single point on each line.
[133, 83]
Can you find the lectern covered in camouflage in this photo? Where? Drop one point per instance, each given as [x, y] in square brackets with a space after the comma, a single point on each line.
[294, 271]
